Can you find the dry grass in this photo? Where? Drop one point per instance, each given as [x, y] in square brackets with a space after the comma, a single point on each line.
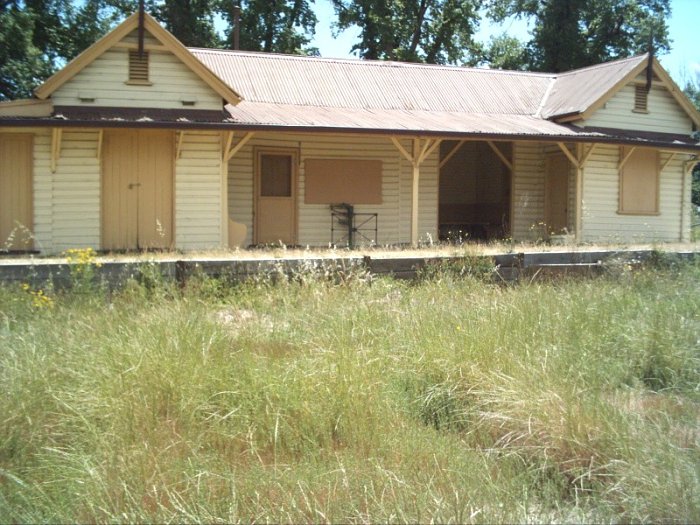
[361, 400]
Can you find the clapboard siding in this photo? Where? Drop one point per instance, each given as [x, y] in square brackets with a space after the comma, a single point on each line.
[105, 79]
[198, 192]
[43, 188]
[75, 192]
[601, 220]
[664, 113]
[528, 190]
[314, 220]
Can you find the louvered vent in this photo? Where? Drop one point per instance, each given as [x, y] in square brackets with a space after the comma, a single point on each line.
[138, 66]
[640, 98]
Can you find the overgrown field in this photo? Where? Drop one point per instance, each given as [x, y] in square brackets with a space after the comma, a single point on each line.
[346, 399]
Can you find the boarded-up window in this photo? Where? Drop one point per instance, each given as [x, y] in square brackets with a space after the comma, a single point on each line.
[332, 181]
[138, 66]
[639, 182]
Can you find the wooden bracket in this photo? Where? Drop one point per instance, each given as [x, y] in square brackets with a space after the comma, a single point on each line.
[568, 154]
[100, 139]
[401, 149]
[624, 157]
[178, 147]
[451, 153]
[244, 140]
[584, 158]
[668, 161]
[500, 155]
[56, 138]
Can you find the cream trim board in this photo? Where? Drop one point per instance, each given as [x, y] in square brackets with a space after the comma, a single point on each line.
[119, 33]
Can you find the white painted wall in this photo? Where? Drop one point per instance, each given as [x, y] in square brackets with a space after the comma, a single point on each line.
[105, 79]
[664, 114]
[314, 220]
[601, 220]
[198, 188]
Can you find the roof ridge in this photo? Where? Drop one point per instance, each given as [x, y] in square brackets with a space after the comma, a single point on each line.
[601, 65]
[372, 63]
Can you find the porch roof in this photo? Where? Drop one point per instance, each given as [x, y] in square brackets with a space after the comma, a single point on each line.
[252, 116]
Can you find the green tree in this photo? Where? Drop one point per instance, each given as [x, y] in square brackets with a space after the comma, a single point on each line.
[432, 31]
[279, 26]
[39, 36]
[692, 90]
[190, 21]
[505, 52]
[570, 34]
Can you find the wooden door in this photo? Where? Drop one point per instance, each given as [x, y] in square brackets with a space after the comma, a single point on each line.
[155, 191]
[275, 207]
[137, 190]
[16, 192]
[557, 194]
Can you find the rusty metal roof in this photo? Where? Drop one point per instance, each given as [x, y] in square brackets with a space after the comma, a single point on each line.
[574, 91]
[345, 83]
[417, 120]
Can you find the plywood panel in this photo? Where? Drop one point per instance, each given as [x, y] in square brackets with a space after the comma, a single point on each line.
[332, 181]
[639, 182]
[15, 191]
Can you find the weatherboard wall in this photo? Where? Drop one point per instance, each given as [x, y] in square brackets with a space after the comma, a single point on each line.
[198, 189]
[663, 115]
[105, 80]
[314, 220]
[601, 220]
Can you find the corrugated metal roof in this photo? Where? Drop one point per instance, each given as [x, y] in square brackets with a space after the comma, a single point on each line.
[322, 82]
[415, 120]
[575, 91]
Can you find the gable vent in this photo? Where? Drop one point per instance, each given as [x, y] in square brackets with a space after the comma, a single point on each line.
[641, 95]
[138, 67]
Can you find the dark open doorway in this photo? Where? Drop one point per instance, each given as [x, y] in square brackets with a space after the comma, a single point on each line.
[474, 199]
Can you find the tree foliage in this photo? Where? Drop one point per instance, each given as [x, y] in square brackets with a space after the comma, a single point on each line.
[433, 31]
[569, 34]
[692, 90]
[279, 26]
[38, 36]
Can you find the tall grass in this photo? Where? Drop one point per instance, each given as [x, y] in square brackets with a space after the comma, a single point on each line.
[325, 399]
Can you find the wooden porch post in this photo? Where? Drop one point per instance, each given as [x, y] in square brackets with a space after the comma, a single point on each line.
[416, 159]
[579, 162]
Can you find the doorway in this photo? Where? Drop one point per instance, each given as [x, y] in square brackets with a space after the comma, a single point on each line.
[275, 197]
[137, 190]
[557, 194]
[16, 192]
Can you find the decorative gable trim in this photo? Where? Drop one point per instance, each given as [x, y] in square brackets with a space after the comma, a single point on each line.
[112, 38]
[664, 79]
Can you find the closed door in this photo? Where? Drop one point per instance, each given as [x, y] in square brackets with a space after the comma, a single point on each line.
[16, 192]
[137, 190]
[557, 194]
[275, 210]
